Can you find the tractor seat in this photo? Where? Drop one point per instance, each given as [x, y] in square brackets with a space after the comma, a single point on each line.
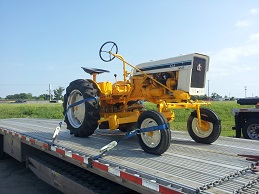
[92, 71]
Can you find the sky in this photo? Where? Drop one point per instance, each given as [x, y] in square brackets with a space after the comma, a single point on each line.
[47, 42]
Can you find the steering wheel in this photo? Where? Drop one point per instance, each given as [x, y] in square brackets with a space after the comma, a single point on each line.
[106, 50]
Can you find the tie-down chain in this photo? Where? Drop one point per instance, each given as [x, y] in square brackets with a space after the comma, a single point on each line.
[253, 167]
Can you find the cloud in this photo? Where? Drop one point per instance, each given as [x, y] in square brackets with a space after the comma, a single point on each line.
[242, 58]
[233, 54]
[254, 37]
[232, 68]
[254, 11]
[243, 23]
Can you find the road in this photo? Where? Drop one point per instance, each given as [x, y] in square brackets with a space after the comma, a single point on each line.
[16, 178]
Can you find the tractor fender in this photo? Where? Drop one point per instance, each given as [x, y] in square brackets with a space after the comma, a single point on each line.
[96, 86]
[214, 118]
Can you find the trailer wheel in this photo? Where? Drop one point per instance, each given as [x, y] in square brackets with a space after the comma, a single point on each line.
[156, 142]
[250, 129]
[81, 120]
[210, 126]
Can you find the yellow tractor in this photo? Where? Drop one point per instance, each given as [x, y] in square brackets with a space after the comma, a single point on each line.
[168, 83]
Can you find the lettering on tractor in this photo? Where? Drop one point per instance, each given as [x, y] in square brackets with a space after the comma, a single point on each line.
[168, 83]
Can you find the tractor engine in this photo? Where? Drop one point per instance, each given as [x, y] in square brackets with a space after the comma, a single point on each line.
[185, 75]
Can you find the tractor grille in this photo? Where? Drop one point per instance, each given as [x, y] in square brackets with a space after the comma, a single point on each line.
[198, 73]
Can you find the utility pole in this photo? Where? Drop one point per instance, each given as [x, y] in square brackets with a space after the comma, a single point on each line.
[245, 91]
[50, 92]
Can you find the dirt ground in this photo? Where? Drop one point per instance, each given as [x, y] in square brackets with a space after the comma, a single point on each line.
[15, 178]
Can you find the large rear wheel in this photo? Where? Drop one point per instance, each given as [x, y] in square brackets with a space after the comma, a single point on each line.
[209, 130]
[81, 120]
[155, 142]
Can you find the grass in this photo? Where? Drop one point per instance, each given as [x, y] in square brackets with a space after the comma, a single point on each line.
[49, 111]
[54, 111]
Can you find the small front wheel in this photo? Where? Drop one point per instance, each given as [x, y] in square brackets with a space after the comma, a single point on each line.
[154, 142]
[209, 130]
[251, 129]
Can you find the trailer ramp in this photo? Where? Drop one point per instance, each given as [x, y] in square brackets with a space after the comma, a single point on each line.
[185, 167]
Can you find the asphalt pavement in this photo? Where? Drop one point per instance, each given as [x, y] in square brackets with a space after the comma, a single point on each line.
[15, 178]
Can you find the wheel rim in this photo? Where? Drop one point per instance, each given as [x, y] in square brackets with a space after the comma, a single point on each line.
[252, 131]
[204, 131]
[151, 139]
[76, 114]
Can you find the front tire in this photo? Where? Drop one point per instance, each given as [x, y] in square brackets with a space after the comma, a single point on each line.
[210, 126]
[156, 142]
[81, 120]
[250, 129]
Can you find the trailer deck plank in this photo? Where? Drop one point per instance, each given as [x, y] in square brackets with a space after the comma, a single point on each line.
[185, 163]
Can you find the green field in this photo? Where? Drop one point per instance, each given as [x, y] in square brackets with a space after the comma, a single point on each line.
[54, 111]
[49, 111]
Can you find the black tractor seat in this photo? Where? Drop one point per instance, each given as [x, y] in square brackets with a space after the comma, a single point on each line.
[92, 71]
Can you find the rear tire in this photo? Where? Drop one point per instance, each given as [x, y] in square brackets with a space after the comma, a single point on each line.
[81, 120]
[156, 142]
[211, 129]
[250, 129]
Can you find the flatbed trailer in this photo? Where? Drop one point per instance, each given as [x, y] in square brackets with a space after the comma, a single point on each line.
[221, 167]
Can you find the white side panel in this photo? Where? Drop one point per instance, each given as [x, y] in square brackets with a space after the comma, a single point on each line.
[184, 80]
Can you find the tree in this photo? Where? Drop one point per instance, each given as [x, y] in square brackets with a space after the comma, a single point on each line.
[22, 96]
[43, 97]
[58, 93]
[214, 95]
[204, 97]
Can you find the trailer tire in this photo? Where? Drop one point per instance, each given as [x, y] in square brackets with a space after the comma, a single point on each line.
[156, 142]
[211, 130]
[250, 129]
[81, 120]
